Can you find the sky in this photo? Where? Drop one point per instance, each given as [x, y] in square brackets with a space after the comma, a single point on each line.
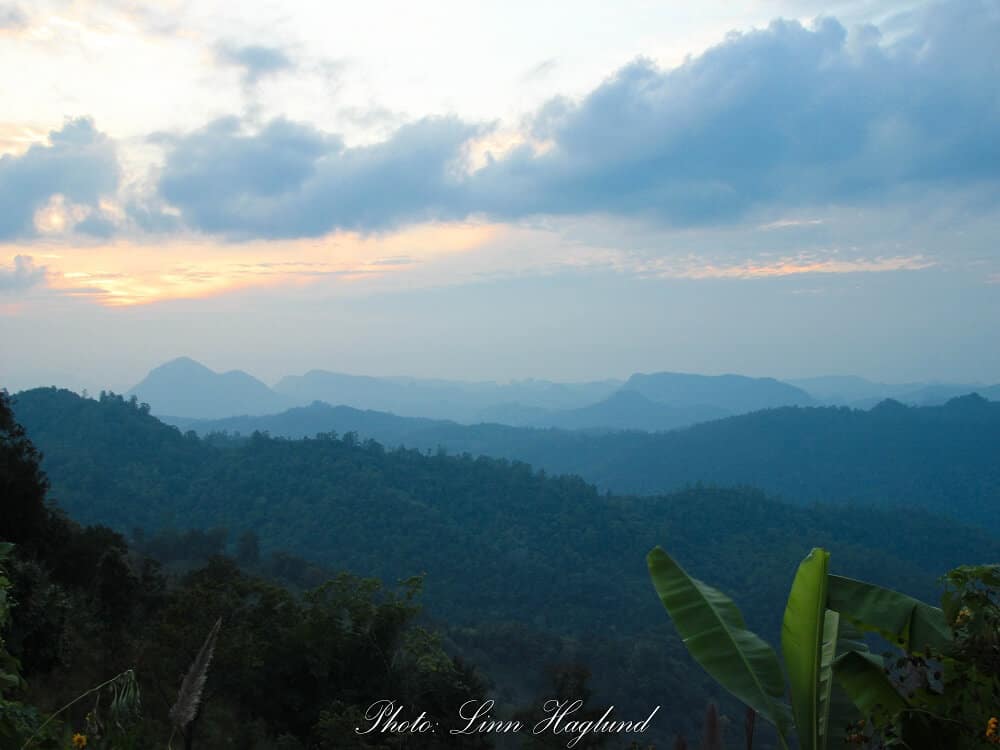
[499, 190]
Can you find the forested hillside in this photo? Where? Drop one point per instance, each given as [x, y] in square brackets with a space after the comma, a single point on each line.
[944, 459]
[383, 511]
[95, 637]
[500, 543]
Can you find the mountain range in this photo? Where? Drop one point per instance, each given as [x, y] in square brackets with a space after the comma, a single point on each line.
[850, 390]
[945, 459]
[184, 389]
[516, 558]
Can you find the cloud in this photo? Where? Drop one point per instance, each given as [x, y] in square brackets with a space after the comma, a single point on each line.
[803, 263]
[126, 271]
[541, 70]
[22, 275]
[12, 17]
[96, 225]
[787, 115]
[255, 60]
[768, 121]
[79, 164]
[292, 180]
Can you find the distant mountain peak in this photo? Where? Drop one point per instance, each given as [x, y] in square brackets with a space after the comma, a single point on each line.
[186, 366]
[889, 405]
[184, 387]
[181, 364]
[735, 393]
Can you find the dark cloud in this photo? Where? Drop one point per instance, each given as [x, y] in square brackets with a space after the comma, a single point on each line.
[79, 163]
[22, 275]
[786, 115]
[292, 180]
[775, 118]
[256, 61]
[12, 17]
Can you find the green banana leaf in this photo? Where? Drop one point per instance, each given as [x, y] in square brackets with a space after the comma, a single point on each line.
[715, 634]
[808, 644]
[850, 638]
[863, 678]
[901, 619]
[828, 654]
[843, 714]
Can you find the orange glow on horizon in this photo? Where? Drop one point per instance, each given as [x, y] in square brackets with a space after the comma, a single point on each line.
[126, 273]
[788, 267]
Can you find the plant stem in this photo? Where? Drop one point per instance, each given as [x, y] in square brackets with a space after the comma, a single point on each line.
[75, 700]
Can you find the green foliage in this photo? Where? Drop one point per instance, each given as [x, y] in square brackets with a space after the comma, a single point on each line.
[23, 515]
[713, 630]
[971, 603]
[18, 721]
[9, 667]
[15, 719]
[110, 729]
[952, 692]
[808, 642]
[937, 694]
[900, 619]
[287, 663]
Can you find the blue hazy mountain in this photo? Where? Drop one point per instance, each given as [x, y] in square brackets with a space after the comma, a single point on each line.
[659, 401]
[736, 394]
[622, 410]
[851, 390]
[439, 399]
[935, 394]
[317, 418]
[185, 388]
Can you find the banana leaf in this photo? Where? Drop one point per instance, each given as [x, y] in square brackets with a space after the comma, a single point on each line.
[808, 645]
[901, 619]
[863, 678]
[843, 714]
[714, 632]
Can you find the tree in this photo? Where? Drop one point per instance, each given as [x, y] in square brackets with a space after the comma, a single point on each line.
[23, 514]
